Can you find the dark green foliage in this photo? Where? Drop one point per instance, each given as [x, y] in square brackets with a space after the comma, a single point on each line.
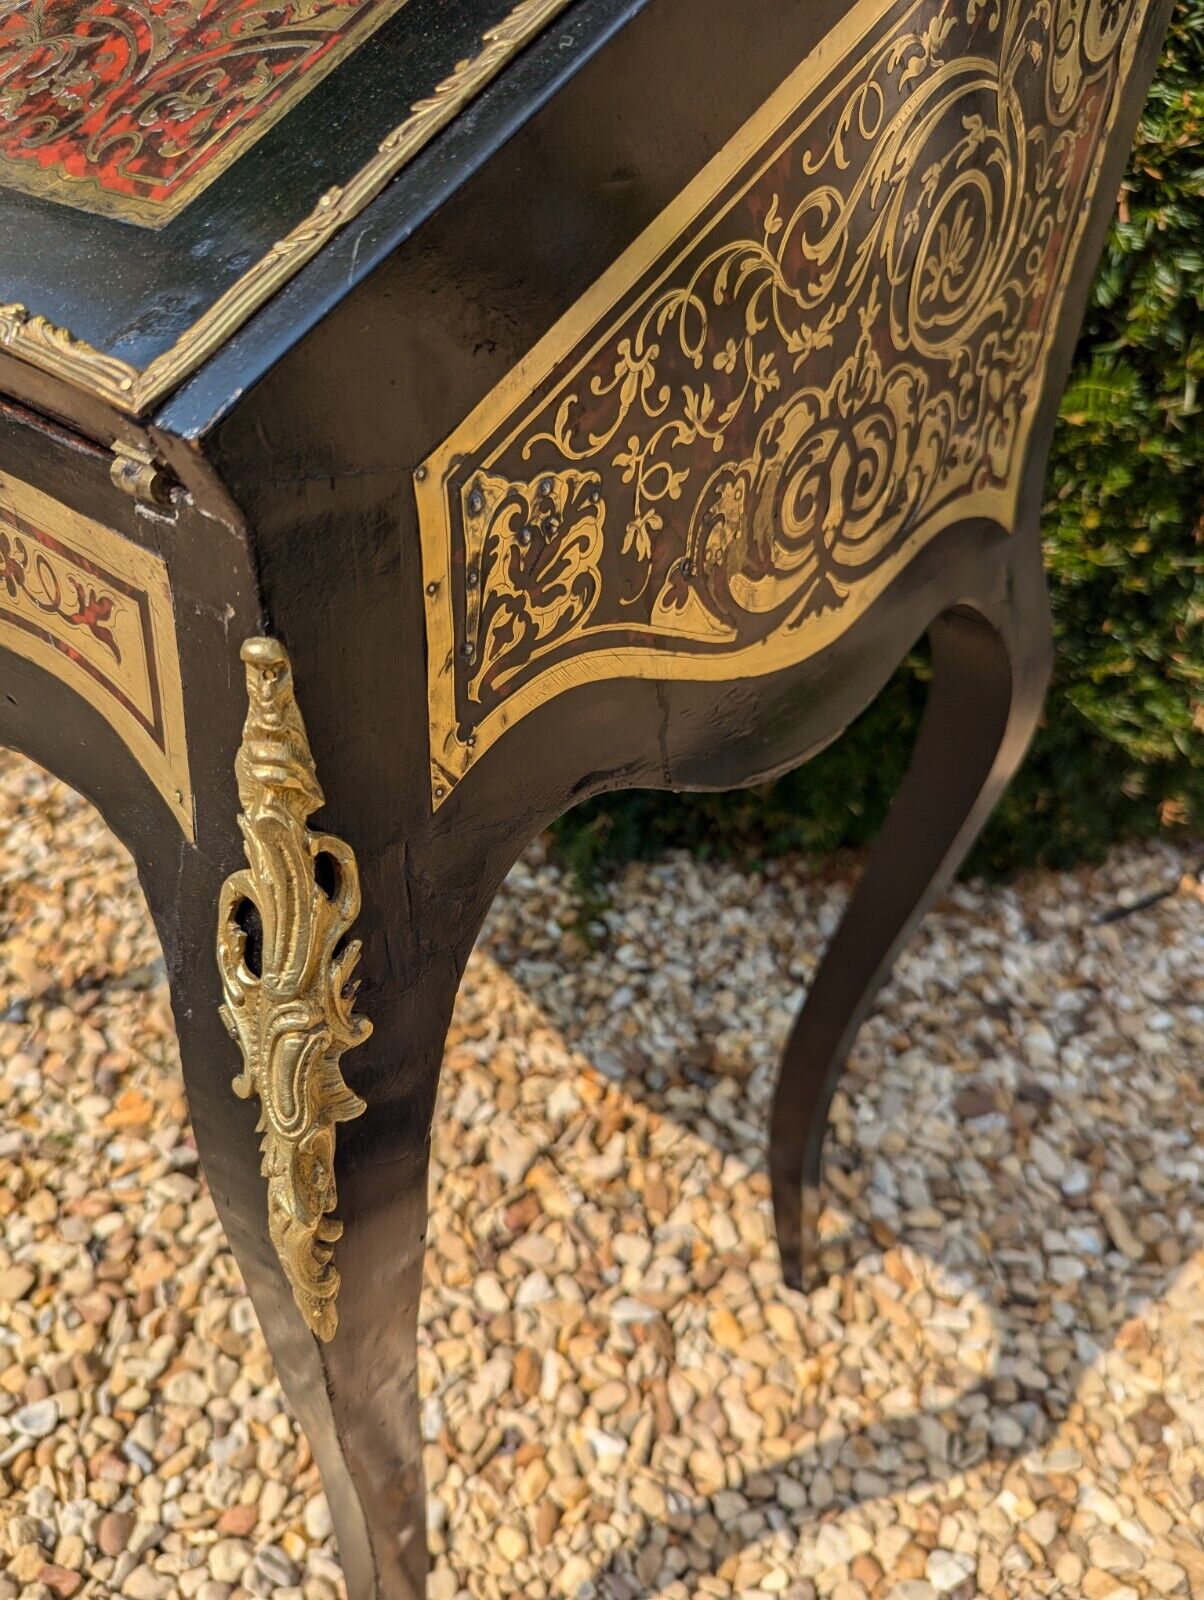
[1121, 754]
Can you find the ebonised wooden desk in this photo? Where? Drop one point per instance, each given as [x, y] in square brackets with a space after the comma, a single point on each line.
[420, 415]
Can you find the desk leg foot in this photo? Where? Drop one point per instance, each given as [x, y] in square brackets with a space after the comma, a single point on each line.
[319, 1164]
[374, 1436]
[355, 1393]
[990, 671]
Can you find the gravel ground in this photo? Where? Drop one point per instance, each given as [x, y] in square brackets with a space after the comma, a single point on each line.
[999, 1392]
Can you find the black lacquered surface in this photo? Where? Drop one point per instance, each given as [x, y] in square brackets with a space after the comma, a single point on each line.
[131, 291]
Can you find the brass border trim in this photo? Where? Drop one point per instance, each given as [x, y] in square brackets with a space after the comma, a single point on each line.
[37, 341]
[118, 650]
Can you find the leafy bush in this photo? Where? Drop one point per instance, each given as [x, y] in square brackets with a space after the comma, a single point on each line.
[1121, 752]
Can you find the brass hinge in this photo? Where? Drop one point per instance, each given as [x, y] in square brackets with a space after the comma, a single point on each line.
[138, 471]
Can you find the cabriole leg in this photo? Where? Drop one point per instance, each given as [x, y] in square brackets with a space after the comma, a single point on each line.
[355, 1394]
[990, 670]
[319, 1164]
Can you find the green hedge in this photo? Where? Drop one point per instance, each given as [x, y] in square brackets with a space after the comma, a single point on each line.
[1121, 753]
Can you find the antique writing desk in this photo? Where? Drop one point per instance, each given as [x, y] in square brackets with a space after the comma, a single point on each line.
[419, 415]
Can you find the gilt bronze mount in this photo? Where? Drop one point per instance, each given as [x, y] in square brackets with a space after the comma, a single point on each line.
[289, 1005]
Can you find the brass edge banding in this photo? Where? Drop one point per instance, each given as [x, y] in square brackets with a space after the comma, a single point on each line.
[37, 341]
[293, 1017]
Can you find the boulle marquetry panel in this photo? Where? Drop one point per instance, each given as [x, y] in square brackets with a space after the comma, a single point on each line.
[132, 109]
[95, 609]
[821, 355]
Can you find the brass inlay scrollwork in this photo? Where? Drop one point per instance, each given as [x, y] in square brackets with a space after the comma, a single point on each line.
[827, 350]
[33, 339]
[289, 988]
[131, 111]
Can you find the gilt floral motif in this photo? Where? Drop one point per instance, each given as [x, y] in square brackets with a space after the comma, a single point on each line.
[37, 580]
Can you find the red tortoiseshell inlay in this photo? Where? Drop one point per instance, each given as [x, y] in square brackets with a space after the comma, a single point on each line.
[130, 107]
